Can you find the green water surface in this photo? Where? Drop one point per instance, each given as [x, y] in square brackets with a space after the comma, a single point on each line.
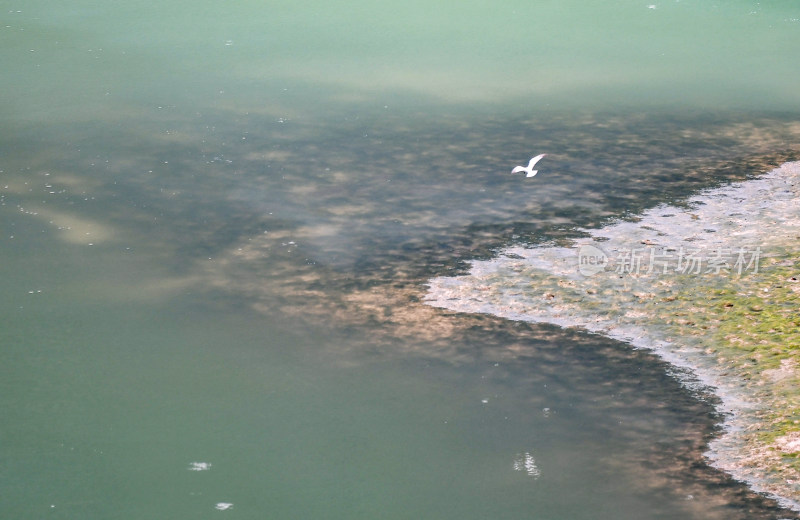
[210, 211]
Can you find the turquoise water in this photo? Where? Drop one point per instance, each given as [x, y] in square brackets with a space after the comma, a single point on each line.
[217, 220]
[91, 59]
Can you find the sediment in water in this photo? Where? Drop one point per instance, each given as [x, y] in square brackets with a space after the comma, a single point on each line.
[711, 285]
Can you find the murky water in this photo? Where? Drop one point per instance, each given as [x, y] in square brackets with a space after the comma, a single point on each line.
[216, 222]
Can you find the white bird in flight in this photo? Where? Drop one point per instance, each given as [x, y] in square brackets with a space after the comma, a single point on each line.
[529, 169]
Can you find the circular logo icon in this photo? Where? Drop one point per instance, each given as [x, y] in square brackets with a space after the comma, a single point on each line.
[591, 260]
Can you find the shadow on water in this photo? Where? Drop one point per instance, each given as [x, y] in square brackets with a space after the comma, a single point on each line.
[337, 224]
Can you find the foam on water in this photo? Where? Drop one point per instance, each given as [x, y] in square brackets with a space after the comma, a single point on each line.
[621, 280]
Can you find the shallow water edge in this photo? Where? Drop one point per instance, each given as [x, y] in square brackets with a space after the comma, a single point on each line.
[212, 226]
[682, 281]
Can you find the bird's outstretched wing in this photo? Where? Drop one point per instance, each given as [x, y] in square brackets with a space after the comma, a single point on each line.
[518, 169]
[535, 160]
